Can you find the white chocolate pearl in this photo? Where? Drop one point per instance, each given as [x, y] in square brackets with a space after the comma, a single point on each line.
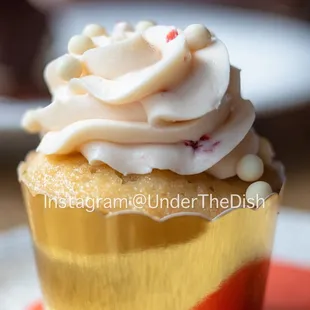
[143, 25]
[123, 27]
[69, 68]
[257, 192]
[94, 30]
[76, 88]
[197, 36]
[79, 44]
[119, 31]
[250, 168]
[266, 152]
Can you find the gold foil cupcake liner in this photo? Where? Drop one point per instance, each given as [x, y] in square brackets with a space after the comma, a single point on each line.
[126, 261]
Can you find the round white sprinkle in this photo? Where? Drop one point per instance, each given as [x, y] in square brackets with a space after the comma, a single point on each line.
[79, 44]
[266, 152]
[123, 27]
[69, 68]
[250, 168]
[257, 192]
[143, 25]
[120, 31]
[94, 30]
[197, 36]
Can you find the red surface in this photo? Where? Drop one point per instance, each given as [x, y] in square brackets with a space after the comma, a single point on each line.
[35, 306]
[288, 289]
[242, 291]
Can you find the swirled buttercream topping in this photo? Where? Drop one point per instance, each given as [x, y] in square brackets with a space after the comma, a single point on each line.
[153, 97]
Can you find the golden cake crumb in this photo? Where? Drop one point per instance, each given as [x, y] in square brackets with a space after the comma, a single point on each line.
[71, 176]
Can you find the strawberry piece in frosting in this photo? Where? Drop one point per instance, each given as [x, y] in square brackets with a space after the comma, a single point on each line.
[204, 143]
[172, 35]
[191, 143]
[205, 137]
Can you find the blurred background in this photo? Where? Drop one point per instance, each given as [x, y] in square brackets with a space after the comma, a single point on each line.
[268, 39]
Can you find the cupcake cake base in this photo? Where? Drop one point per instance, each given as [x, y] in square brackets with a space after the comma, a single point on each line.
[124, 260]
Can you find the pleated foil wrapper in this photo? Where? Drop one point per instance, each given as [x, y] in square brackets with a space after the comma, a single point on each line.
[132, 261]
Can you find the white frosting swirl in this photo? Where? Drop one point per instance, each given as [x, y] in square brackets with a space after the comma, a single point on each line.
[145, 100]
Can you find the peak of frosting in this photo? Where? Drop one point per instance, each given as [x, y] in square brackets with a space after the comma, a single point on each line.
[144, 98]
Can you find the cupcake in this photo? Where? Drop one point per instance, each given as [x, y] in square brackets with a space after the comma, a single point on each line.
[149, 189]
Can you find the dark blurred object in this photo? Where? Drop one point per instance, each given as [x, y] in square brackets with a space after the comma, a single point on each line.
[22, 30]
[297, 8]
[289, 133]
[294, 8]
[46, 5]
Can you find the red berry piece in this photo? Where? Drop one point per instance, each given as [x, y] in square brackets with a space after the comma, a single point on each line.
[191, 143]
[216, 143]
[205, 137]
[36, 306]
[172, 35]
